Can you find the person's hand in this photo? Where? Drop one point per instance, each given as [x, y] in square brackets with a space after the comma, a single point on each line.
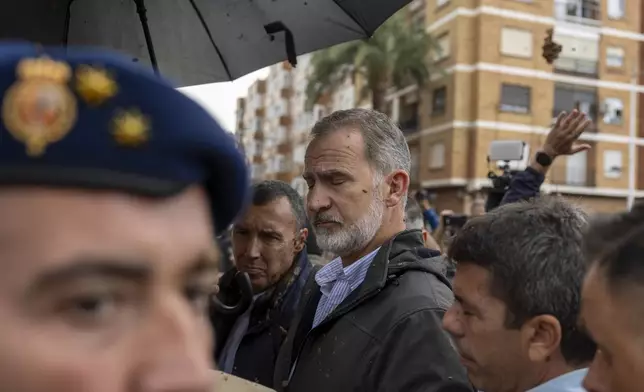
[562, 138]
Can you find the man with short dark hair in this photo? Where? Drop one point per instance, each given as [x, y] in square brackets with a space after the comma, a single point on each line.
[612, 310]
[517, 298]
[268, 243]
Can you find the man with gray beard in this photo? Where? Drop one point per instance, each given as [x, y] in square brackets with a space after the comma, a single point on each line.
[370, 320]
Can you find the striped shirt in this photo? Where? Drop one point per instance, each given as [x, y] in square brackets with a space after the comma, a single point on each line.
[337, 282]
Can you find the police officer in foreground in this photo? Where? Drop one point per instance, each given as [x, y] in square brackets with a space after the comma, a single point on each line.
[112, 185]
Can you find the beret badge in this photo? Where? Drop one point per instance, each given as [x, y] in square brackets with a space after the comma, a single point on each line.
[39, 108]
[94, 85]
[131, 128]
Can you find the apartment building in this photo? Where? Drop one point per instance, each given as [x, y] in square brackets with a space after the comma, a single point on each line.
[274, 121]
[251, 111]
[496, 86]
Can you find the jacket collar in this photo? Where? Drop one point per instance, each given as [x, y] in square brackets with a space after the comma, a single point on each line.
[403, 252]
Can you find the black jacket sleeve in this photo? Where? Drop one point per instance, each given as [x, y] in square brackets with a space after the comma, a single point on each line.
[525, 185]
[418, 356]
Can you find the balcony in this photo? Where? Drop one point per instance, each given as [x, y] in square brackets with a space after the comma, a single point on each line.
[257, 158]
[576, 67]
[286, 92]
[408, 116]
[286, 121]
[586, 12]
[261, 87]
[258, 135]
[572, 176]
[259, 112]
[285, 148]
[409, 126]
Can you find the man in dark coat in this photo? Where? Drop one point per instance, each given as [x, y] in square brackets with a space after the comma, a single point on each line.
[370, 319]
[268, 243]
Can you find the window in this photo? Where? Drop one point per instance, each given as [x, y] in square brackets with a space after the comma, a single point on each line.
[612, 164]
[443, 51]
[578, 55]
[583, 11]
[614, 57]
[437, 156]
[439, 101]
[515, 98]
[572, 96]
[615, 9]
[516, 42]
[613, 110]
[576, 170]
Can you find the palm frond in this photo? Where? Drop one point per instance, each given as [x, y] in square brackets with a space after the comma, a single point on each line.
[398, 54]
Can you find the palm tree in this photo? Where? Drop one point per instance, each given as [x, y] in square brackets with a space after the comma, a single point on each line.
[396, 55]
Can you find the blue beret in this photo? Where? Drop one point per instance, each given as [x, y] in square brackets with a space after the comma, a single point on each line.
[94, 120]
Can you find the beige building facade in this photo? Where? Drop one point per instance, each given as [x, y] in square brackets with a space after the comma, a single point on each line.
[497, 86]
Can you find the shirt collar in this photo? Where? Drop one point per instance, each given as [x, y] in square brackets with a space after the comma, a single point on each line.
[354, 274]
[568, 382]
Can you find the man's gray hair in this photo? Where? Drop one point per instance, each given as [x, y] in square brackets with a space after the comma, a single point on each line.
[386, 148]
[414, 219]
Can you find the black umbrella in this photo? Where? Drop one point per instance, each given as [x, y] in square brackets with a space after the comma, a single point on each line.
[197, 41]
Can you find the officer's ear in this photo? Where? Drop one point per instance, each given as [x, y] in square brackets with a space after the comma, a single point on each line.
[300, 239]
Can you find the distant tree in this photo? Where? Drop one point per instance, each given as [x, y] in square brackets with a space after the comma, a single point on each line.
[397, 55]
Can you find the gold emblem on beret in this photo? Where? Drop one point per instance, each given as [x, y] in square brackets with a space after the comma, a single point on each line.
[94, 85]
[131, 128]
[39, 108]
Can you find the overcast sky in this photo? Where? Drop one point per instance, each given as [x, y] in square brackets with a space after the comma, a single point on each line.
[220, 99]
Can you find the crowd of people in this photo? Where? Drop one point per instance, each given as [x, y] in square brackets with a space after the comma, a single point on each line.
[114, 186]
[411, 302]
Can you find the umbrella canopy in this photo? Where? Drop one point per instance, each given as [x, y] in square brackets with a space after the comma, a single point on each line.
[197, 41]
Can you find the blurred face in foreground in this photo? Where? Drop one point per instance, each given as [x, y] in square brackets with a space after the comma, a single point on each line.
[104, 292]
[614, 319]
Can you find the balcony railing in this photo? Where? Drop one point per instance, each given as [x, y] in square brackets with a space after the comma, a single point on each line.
[578, 11]
[581, 67]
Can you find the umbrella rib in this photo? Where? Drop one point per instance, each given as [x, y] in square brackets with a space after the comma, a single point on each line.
[68, 16]
[212, 41]
[352, 17]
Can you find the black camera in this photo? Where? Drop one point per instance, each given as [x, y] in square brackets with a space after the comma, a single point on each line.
[454, 221]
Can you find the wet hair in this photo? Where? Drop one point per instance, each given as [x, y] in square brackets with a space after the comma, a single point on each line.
[414, 215]
[615, 242]
[534, 253]
[267, 191]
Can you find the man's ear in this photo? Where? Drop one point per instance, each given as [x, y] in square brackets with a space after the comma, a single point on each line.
[398, 182]
[541, 335]
[300, 239]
